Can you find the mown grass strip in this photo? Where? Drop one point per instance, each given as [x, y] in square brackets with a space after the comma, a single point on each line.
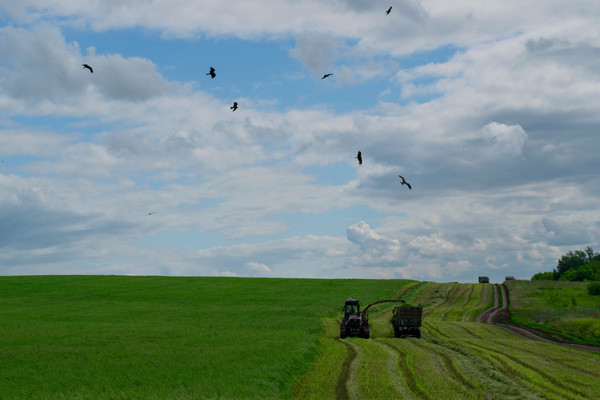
[326, 377]
[373, 373]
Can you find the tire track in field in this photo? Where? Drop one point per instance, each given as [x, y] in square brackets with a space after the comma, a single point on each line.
[394, 362]
[467, 299]
[432, 328]
[467, 330]
[446, 361]
[450, 294]
[409, 377]
[457, 294]
[347, 385]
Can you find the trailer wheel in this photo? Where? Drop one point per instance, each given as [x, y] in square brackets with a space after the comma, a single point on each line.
[418, 335]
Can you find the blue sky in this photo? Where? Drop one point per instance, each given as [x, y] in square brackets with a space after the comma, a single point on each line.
[490, 112]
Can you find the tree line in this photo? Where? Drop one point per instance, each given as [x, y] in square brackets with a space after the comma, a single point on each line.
[578, 265]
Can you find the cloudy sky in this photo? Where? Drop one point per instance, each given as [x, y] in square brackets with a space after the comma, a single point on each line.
[491, 110]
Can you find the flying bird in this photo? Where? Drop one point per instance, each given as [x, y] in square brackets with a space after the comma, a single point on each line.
[326, 75]
[234, 106]
[150, 213]
[212, 73]
[359, 157]
[388, 11]
[88, 67]
[404, 182]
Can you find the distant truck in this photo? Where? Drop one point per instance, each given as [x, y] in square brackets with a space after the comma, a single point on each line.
[509, 278]
[484, 279]
[407, 321]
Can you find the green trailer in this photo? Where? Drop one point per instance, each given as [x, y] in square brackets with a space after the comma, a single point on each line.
[407, 320]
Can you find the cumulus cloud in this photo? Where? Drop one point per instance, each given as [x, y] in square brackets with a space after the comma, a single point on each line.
[258, 268]
[375, 248]
[317, 51]
[505, 139]
[40, 65]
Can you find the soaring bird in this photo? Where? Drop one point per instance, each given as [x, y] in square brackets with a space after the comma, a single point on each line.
[326, 75]
[388, 11]
[88, 67]
[359, 157]
[212, 73]
[150, 213]
[404, 182]
[234, 106]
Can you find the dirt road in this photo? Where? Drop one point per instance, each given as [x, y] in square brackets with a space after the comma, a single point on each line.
[500, 316]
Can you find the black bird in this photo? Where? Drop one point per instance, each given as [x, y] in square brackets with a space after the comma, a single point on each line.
[234, 106]
[359, 157]
[212, 73]
[88, 67]
[150, 213]
[388, 11]
[326, 75]
[404, 182]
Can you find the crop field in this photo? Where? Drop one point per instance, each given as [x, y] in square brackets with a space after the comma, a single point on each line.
[456, 357]
[104, 337]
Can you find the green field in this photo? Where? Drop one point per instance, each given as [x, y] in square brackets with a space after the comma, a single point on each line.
[557, 307]
[106, 337]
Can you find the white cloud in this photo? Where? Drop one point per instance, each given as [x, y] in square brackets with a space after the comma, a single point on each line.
[375, 248]
[258, 268]
[505, 139]
[317, 51]
[432, 245]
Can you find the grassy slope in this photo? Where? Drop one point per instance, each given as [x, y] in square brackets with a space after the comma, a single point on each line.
[455, 358]
[557, 307]
[95, 337]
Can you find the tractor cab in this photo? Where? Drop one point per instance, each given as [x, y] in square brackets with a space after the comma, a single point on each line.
[351, 307]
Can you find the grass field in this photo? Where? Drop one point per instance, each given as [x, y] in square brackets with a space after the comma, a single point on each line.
[106, 337]
[557, 307]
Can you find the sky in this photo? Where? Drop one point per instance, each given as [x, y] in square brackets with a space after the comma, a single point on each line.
[490, 110]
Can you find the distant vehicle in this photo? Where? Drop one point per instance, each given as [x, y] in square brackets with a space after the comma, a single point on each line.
[407, 321]
[484, 279]
[509, 278]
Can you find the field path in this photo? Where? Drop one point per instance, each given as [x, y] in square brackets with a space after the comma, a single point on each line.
[500, 316]
[347, 387]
